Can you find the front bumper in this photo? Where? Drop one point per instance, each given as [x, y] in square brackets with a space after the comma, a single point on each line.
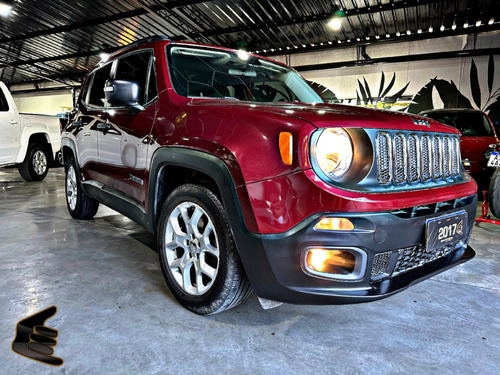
[394, 243]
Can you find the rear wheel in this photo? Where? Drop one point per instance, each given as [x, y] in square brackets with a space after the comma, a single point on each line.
[80, 205]
[494, 193]
[197, 252]
[35, 165]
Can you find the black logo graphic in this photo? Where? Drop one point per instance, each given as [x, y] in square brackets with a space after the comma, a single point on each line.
[36, 341]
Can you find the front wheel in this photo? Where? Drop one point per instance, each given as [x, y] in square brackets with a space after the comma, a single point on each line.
[35, 165]
[80, 205]
[494, 193]
[197, 252]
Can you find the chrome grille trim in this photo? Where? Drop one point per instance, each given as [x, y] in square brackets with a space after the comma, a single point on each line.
[413, 158]
[416, 157]
[400, 158]
[426, 158]
[384, 161]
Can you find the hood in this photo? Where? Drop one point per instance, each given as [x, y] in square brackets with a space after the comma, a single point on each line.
[323, 115]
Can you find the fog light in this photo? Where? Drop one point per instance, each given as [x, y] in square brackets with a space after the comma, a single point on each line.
[337, 262]
[334, 223]
[342, 264]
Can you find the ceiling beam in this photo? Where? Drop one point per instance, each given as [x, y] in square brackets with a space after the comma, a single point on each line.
[402, 58]
[99, 21]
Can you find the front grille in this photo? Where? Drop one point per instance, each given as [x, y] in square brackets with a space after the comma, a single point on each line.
[416, 157]
[408, 258]
[416, 256]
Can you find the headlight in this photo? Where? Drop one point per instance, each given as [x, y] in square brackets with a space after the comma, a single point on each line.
[333, 152]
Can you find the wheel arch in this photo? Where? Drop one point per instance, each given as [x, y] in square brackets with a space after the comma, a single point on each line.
[174, 166]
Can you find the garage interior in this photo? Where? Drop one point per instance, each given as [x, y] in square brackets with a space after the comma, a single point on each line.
[115, 312]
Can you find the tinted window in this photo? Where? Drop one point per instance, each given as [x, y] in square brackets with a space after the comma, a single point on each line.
[470, 124]
[137, 67]
[96, 95]
[4, 106]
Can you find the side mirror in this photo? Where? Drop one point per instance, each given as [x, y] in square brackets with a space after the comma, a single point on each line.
[123, 93]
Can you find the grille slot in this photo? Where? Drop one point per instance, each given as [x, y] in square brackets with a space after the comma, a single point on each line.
[416, 157]
[416, 256]
[380, 262]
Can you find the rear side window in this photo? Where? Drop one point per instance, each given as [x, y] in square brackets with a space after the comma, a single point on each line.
[139, 67]
[4, 106]
[96, 93]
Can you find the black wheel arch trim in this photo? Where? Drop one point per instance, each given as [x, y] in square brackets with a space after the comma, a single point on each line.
[248, 244]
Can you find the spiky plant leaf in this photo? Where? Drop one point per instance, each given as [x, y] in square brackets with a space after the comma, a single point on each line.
[474, 84]
[389, 87]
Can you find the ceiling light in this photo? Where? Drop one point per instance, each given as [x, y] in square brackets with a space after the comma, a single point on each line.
[466, 25]
[339, 41]
[408, 32]
[398, 33]
[358, 39]
[478, 23]
[454, 27]
[243, 55]
[330, 42]
[5, 9]
[441, 28]
[491, 21]
[377, 36]
[387, 35]
[419, 31]
[431, 29]
[335, 24]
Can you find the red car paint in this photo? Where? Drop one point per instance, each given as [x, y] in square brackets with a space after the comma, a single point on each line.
[116, 150]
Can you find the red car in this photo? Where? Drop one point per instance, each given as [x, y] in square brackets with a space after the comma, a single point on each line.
[250, 181]
[477, 141]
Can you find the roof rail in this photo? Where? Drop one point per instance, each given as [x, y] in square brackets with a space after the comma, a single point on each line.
[149, 39]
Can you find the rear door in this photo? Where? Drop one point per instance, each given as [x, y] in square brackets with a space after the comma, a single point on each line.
[9, 128]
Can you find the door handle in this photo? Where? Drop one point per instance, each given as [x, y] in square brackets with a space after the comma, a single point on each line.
[13, 122]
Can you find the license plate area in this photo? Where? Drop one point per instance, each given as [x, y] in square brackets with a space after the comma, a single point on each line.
[494, 160]
[444, 230]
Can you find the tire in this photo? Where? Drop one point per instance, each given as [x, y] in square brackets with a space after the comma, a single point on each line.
[197, 253]
[494, 193]
[36, 163]
[80, 205]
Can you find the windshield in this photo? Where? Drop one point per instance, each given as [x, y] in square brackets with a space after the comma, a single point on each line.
[204, 72]
[470, 124]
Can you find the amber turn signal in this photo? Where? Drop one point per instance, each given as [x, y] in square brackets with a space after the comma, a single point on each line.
[334, 223]
[286, 147]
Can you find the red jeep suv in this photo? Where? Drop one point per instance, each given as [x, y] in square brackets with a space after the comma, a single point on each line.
[252, 182]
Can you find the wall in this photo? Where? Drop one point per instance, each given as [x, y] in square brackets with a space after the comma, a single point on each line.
[44, 103]
[418, 85]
